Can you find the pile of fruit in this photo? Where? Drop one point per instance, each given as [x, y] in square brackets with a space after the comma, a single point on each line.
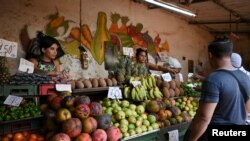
[30, 78]
[23, 136]
[131, 119]
[26, 110]
[146, 91]
[77, 118]
[93, 83]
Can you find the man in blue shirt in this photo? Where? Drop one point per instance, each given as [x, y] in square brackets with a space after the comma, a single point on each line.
[221, 102]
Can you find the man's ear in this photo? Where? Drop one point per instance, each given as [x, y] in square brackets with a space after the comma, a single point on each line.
[210, 55]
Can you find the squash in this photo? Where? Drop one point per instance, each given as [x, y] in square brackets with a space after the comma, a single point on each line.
[101, 35]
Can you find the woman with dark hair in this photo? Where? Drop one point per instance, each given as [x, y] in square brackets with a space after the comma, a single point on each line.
[141, 57]
[46, 63]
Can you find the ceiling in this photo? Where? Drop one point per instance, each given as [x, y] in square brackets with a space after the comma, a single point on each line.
[217, 16]
[222, 16]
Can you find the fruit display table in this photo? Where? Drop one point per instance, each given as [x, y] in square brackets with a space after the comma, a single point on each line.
[146, 136]
[163, 133]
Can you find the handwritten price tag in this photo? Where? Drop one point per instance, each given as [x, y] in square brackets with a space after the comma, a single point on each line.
[179, 77]
[166, 77]
[115, 93]
[8, 48]
[173, 135]
[136, 83]
[13, 100]
[26, 66]
[128, 51]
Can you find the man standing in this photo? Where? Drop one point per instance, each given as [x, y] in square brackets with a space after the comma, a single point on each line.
[221, 102]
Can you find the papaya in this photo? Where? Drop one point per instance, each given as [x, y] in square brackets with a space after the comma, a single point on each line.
[101, 36]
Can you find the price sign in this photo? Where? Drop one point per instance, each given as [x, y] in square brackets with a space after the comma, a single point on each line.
[173, 135]
[114, 93]
[179, 77]
[166, 77]
[26, 66]
[136, 83]
[128, 51]
[190, 75]
[63, 87]
[163, 56]
[8, 48]
[13, 100]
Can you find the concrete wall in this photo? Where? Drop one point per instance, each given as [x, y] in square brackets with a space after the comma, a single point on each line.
[185, 40]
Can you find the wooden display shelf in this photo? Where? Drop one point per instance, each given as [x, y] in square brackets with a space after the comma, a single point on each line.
[91, 90]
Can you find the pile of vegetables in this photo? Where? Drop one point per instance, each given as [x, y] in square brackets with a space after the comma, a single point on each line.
[189, 88]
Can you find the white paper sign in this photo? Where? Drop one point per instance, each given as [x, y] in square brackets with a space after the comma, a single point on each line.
[13, 100]
[163, 56]
[166, 77]
[173, 135]
[128, 51]
[63, 87]
[115, 93]
[190, 75]
[180, 77]
[26, 66]
[8, 48]
[136, 83]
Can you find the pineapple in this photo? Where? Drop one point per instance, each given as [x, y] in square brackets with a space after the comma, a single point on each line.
[4, 71]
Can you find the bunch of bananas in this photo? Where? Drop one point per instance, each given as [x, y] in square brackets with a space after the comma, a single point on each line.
[146, 91]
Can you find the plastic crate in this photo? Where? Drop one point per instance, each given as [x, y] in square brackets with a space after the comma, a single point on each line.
[20, 90]
[47, 89]
[21, 125]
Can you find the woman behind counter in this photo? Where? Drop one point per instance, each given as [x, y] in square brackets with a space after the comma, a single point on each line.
[46, 63]
[141, 57]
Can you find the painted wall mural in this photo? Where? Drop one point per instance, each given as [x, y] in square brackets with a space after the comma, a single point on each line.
[114, 36]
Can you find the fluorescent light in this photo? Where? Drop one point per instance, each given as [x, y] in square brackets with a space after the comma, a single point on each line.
[171, 7]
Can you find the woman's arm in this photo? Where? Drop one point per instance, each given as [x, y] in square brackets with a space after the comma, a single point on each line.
[34, 61]
[161, 68]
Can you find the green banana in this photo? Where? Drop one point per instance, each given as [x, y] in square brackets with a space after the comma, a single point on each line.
[127, 92]
[153, 80]
[133, 93]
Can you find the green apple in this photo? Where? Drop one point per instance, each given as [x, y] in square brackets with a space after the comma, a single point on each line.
[145, 122]
[131, 132]
[134, 113]
[116, 124]
[150, 128]
[132, 107]
[123, 122]
[126, 135]
[140, 109]
[116, 109]
[131, 119]
[138, 130]
[123, 128]
[151, 118]
[144, 128]
[119, 115]
[125, 103]
[155, 126]
[109, 111]
[139, 118]
[144, 116]
[131, 126]
[128, 112]
[138, 123]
